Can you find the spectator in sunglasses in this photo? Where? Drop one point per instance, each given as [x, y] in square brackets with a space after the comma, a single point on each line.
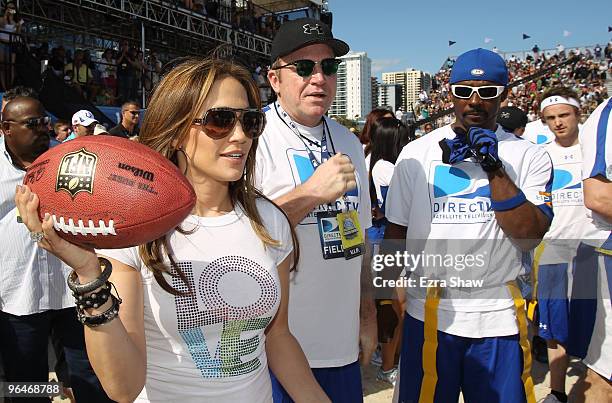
[314, 168]
[213, 293]
[36, 302]
[128, 126]
[25, 129]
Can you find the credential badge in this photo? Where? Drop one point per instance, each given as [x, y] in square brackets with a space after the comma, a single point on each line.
[76, 172]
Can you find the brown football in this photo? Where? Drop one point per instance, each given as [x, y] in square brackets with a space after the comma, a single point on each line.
[109, 192]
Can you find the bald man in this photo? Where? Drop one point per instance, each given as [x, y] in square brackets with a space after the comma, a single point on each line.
[35, 299]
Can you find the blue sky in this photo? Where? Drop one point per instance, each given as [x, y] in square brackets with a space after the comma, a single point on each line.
[398, 34]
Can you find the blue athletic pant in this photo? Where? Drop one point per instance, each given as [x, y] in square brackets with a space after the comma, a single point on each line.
[342, 384]
[553, 303]
[486, 370]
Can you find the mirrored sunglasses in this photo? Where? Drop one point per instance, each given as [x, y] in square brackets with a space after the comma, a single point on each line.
[219, 122]
[484, 92]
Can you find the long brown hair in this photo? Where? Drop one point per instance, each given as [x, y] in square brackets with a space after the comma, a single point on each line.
[366, 133]
[177, 100]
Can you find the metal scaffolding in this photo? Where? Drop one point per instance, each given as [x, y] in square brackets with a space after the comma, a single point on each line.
[177, 30]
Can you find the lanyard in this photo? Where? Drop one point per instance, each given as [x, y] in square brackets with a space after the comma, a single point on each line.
[325, 154]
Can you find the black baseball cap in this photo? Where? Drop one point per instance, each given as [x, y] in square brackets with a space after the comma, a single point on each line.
[296, 34]
[511, 118]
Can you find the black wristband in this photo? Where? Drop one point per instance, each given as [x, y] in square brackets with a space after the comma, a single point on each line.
[79, 289]
[95, 299]
[105, 317]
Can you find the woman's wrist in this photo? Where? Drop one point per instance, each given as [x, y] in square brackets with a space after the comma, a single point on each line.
[89, 271]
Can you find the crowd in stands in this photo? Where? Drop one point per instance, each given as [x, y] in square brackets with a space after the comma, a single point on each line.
[587, 77]
[113, 76]
[243, 15]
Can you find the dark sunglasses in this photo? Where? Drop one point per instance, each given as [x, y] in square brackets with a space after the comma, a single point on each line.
[219, 122]
[134, 113]
[485, 92]
[304, 68]
[33, 123]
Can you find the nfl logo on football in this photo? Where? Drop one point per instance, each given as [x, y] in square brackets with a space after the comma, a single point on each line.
[76, 172]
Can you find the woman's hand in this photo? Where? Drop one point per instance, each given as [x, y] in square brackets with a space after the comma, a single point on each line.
[82, 260]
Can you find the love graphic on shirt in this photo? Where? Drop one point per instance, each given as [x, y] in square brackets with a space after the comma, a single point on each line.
[223, 322]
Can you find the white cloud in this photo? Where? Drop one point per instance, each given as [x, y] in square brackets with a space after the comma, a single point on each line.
[566, 33]
[379, 65]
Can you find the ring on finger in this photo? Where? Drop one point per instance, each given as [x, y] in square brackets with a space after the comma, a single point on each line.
[37, 236]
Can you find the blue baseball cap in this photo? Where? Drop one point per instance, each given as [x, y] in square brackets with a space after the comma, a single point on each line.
[480, 64]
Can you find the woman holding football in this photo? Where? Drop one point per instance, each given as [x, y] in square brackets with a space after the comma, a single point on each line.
[203, 309]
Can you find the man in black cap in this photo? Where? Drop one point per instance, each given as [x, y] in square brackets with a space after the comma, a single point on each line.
[512, 119]
[314, 168]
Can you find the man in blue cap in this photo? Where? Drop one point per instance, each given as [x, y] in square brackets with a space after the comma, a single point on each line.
[463, 204]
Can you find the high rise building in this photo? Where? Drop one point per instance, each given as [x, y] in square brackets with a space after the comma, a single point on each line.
[375, 91]
[353, 89]
[390, 96]
[397, 78]
[412, 82]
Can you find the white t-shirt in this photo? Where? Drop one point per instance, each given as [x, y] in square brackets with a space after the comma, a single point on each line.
[211, 346]
[596, 143]
[325, 294]
[449, 207]
[538, 132]
[571, 222]
[381, 176]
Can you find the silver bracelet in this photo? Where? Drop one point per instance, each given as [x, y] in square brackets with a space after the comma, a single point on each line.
[77, 288]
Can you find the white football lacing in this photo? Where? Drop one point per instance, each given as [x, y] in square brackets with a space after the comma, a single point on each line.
[80, 229]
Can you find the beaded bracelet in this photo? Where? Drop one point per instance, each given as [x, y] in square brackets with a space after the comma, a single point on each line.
[95, 299]
[105, 317]
[77, 288]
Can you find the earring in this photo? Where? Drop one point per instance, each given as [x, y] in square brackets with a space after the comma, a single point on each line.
[180, 149]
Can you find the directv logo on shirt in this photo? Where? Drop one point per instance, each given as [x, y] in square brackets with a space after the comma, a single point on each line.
[566, 188]
[460, 195]
[302, 169]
